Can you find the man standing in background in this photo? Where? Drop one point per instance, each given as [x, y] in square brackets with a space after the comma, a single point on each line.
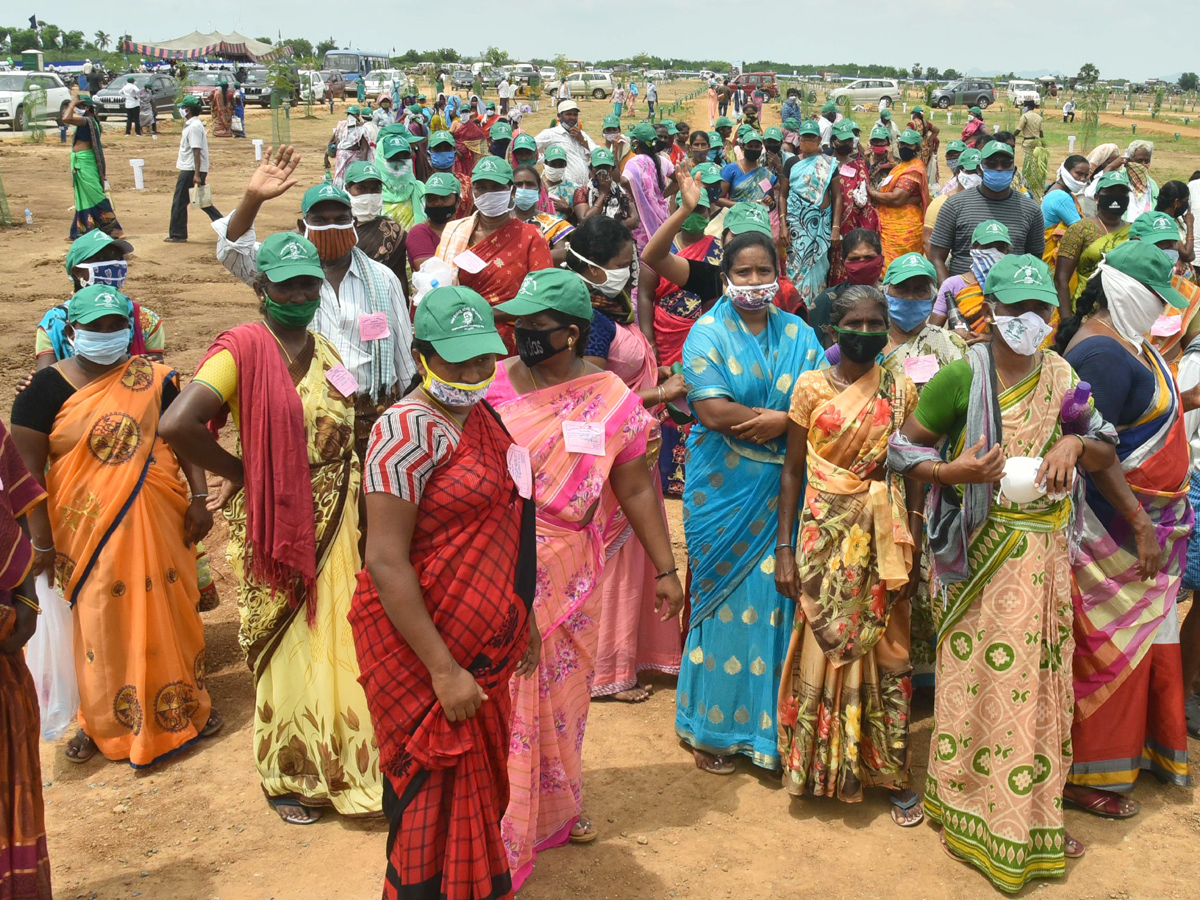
[133, 106]
[504, 91]
[651, 97]
[193, 169]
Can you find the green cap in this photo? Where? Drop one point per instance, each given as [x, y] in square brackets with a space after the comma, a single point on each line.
[671, 129]
[910, 265]
[989, 231]
[100, 300]
[775, 133]
[644, 132]
[395, 143]
[554, 152]
[976, 111]
[743, 129]
[438, 138]
[715, 140]
[191, 101]
[709, 172]
[1147, 264]
[443, 184]
[918, 110]
[524, 141]
[843, 130]
[829, 107]
[723, 122]
[885, 114]
[991, 148]
[420, 97]
[1153, 227]
[750, 137]
[353, 110]
[362, 171]
[84, 248]
[879, 133]
[459, 323]
[912, 137]
[501, 131]
[1016, 278]
[955, 146]
[560, 290]
[809, 127]
[791, 123]
[222, 81]
[1117, 178]
[612, 120]
[602, 156]
[970, 159]
[703, 201]
[287, 255]
[492, 168]
[745, 217]
[318, 193]
[491, 104]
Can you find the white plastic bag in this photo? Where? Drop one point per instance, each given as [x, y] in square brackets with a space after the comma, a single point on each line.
[434, 272]
[50, 655]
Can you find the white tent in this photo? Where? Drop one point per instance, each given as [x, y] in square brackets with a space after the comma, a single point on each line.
[198, 45]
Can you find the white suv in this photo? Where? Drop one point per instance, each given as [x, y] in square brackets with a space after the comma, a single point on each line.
[1020, 91]
[595, 84]
[15, 102]
[868, 92]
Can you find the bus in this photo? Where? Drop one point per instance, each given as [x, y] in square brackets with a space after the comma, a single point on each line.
[354, 64]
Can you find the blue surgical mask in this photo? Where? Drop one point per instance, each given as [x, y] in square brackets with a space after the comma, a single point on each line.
[908, 314]
[998, 179]
[102, 347]
[442, 159]
[1172, 255]
[526, 198]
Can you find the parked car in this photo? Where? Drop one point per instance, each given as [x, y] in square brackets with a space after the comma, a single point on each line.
[490, 77]
[1020, 91]
[257, 87]
[519, 72]
[15, 107]
[312, 83]
[461, 79]
[335, 84]
[163, 91]
[595, 84]
[202, 84]
[965, 92]
[868, 92]
[548, 73]
[752, 81]
[381, 81]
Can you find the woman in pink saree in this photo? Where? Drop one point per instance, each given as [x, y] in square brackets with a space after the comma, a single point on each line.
[648, 175]
[581, 437]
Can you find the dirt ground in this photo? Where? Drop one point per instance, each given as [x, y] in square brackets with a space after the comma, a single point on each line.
[197, 827]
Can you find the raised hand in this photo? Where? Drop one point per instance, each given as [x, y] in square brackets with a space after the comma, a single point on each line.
[275, 174]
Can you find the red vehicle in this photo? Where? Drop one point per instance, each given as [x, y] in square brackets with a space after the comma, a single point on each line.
[202, 84]
[752, 81]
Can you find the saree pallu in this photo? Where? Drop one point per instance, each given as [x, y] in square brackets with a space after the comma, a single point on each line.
[445, 784]
[93, 209]
[852, 178]
[1128, 673]
[118, 501]
[738, 631]
[549, 718]
[1171, 346]
[313, 740]
[810, 224]
[1001, 741]
[846, 680]
[900, 227]
[969, 302]
[649, 198]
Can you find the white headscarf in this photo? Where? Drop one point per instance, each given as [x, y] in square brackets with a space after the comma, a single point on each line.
[1132, 306]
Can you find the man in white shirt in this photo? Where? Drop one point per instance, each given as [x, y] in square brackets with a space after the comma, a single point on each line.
[564, 90]
[1068, 110]
[193, 169]
[504, 90]
[651, 98]
[129, 90]
[356, 295]
[573, 139]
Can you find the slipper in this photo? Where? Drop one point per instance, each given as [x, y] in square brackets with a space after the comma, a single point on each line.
[900, 807]
[213, 725]
[280, 803]
[1104, 804]
[81, 744]
[587, 835]
[1072, 848]
[950, 853]
[713, 765]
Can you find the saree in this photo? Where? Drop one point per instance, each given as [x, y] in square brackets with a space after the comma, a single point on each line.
[549, 718]
[313, 740]
[403, 197]
[857, 210]
[1086, 244]
[739, 622]
[1128, 672]
[746, 187]
[118, 501]
[444, 784]
[351, 144]
[24, 859]
[650, 199]
[810, 224]
[1053, 237]
[900, 227]
[1171, 345]
[929, 151]
[93, 208]
[222, 113]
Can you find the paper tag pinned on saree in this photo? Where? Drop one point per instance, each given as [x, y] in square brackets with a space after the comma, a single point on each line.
[469, 262]
[339, 376]
[765, 185]
[373, 326]
[584, 437]
[1165, 326]
[848, 171]
[521, 470]
[921, 368]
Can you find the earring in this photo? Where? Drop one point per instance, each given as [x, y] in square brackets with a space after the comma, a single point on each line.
[570, 343]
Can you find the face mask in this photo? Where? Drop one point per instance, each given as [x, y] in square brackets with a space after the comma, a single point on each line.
[982, 262]
[498, 148]
[952, 165]
[752, 155]
[907, 153]
[998, 179]
[366, 206]
[1172, 255]
[752, 296]
[451, 393]
[526, 198]
[712, 154]
[864, 271]
[534, 346]
[102, 347]
[861, 346]
[493, 204]
[1115, 203]
[841, 148]
[332, 241]
[695, 223]
[969, 180]
[714, 193]
[555, 175]
[1072, 184]
[908, 314]
[440, 215]
[615, 280]
[879, 151]
[292, 315]
[111, 273]
[442, 160]
[1023, 333]
[699, 156]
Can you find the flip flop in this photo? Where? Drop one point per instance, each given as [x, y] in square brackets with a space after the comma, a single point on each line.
[213, 725]
[1072, 848]
[714, 765]
[82, 755]
[588, 834]
[314, 816]
[1104, 804]
[899, 807]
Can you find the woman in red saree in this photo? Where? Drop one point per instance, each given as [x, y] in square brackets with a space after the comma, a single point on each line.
[24, 860]
[441, 617]
[222, 110]
[505, 248]
[854, 176]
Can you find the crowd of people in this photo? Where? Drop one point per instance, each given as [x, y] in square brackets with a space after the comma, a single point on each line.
[924, 433]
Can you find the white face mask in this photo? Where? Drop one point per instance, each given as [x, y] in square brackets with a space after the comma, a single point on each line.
[1172, 255]
[615, 280]
[400, 168]
[366, 206]
[1073, 185]
[554, 175]
[494, 203]
[969, 180]
[1132, 306]
[1023, 333]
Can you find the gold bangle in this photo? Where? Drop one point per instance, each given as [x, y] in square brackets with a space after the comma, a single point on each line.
[934, 476]
[31, 604]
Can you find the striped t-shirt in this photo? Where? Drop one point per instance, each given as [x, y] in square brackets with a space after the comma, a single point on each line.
[963, 211]
[408, 442]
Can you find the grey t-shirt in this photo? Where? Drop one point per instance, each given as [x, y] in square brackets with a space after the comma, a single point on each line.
[960, 214]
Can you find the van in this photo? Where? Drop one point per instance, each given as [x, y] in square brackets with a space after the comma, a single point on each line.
[868, 92]
[753, 81]
[521, 71]
[598, 85]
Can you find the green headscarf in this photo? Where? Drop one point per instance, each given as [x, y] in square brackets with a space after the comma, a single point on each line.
[406, 189]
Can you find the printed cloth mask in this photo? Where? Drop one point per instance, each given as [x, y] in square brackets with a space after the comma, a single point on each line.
[452, 393]
[112, 273]
[752, 296]
[982, 261]
[1023, 333]
[332, 241]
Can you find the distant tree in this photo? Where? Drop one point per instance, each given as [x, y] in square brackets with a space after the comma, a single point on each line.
[103, 39]
[50, 35]
[931, 73]
[916, 71]
[1088, 74]
[22, 39]
[561, 65]
[73, 40]
[1189, 81]
[447, 54]
[325, 46]
[494, 56]
[951, 74]
[302, 48]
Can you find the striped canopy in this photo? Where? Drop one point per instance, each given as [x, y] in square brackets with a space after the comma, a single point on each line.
[199, 45]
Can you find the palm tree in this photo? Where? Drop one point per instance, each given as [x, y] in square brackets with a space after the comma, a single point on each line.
[103, 40]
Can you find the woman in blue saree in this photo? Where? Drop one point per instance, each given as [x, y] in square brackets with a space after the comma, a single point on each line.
[810, 213]
[740, 361]
[744, 179]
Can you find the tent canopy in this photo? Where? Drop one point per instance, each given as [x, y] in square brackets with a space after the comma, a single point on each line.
[198, 45]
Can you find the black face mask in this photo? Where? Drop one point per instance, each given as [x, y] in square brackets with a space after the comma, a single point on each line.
[714, 193]
[907, 153]
[440, 215]
[752, 155]
[498, 148]
[1115, 203]
[843, 147]
[773, 148]
[861, 346]
[534, 346]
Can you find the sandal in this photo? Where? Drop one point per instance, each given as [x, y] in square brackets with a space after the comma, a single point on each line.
[712, 764]
[1072, 848]
[82, 746]
[287, 809]
[950, 853]
[586, 833]
[1105, 804]
[213, 725]
[903, 802]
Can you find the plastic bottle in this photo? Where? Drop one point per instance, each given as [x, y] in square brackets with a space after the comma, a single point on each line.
[28, 216]
[1076, 415]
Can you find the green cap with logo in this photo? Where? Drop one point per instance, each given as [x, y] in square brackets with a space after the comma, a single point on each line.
[715, 139]
[644, 132]
[670, 123]
[743, 129]
[360, 171]
[829, 107]
[438, 138]
[560, 290]
[910, 136]
[702, 201]
[319, 193]
[910, 265]
[602, 156]
[443, 184]
[191, 101]
[843, 130]
[288, 255]
[746, 217]
[976, 111]
[524, 141]
[353, 110]
[879, 133]
[85, 247]
[612, 120]
[989, 231]
[791, 123]
[809, 128]
[1117, 178]
[394, 144]
[553, 153]
[774, 133]
[918, 111]
[1014, 279]
[970, 159]
[100, 300]
[955, 146]
[885, 114]
[501, 131]
[750, 137]
[710, 173]
[492, 168]
[991, 148]
[723, 122]
[459, 323]
[1144, 262]
[1154, 227]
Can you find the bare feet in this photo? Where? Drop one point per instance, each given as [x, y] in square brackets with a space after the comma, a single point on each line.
[639, 694]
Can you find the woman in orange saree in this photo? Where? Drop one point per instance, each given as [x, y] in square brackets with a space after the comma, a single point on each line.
[901, 200]
[119, 527]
